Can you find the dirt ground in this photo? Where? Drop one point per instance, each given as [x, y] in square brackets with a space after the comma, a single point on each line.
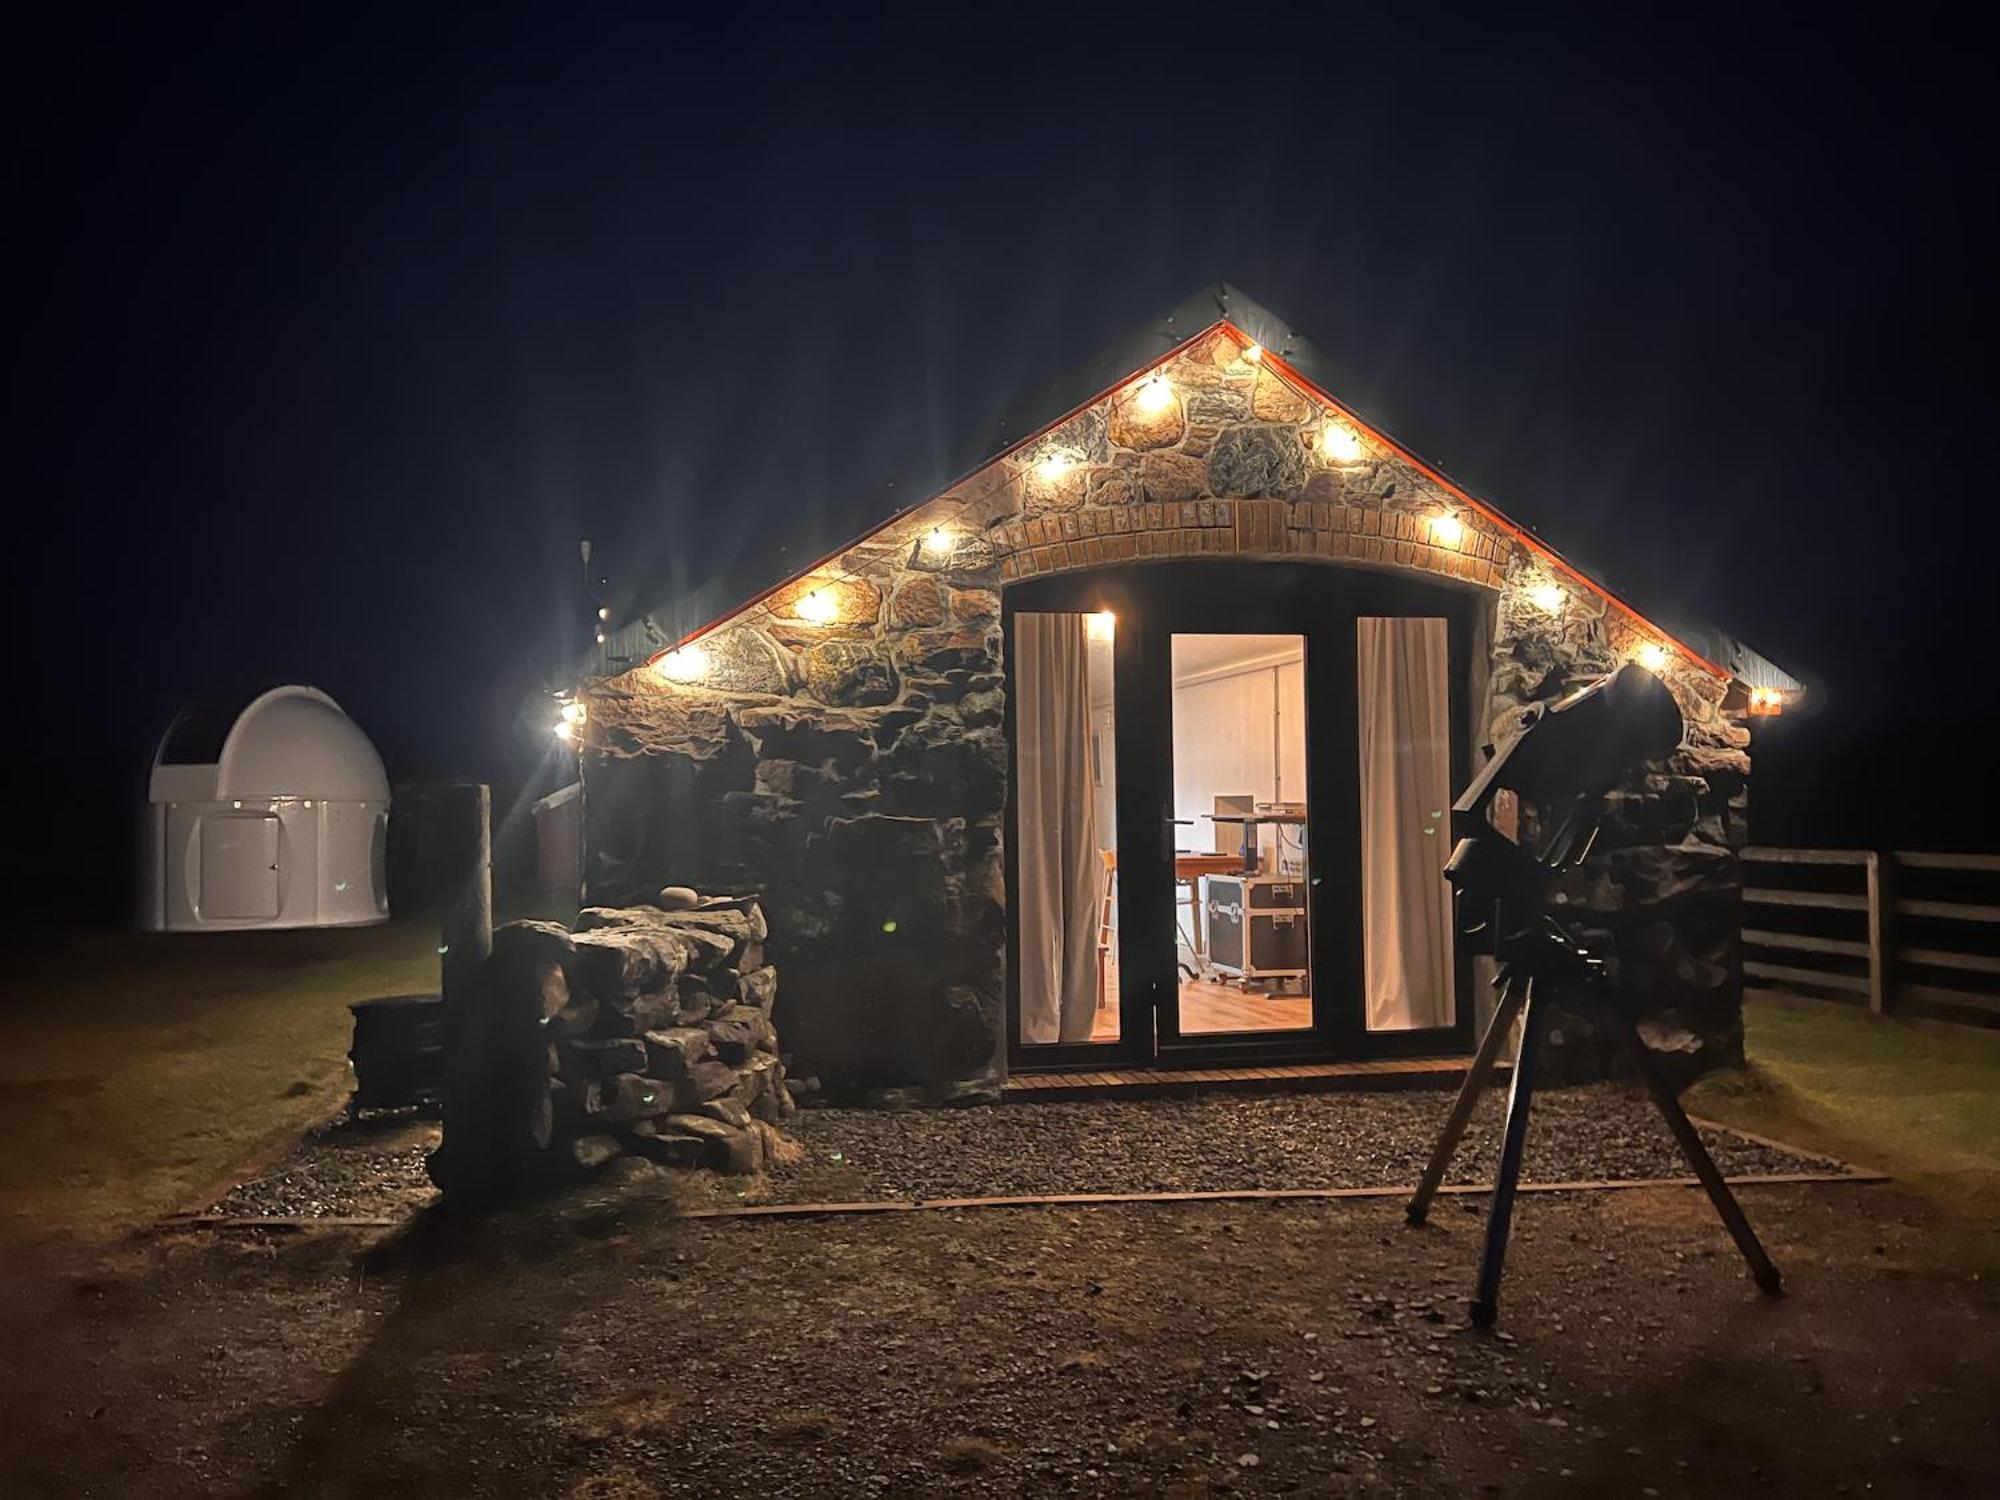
[596, 1345]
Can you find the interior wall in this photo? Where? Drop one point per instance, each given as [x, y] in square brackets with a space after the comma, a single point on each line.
[1239, 729]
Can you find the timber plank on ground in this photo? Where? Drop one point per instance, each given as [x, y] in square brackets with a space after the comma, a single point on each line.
[1401, 1072]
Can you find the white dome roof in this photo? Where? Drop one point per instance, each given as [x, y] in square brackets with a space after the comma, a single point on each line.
[296, 742]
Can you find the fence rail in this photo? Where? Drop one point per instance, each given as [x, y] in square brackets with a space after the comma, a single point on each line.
[1927, 942]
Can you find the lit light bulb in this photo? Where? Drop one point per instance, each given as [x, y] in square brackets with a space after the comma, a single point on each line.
[603, 611]
[1254, 354]
[1547, 597]
[1447, 530]
[1155, 394]
[574, 713]
[600, 637]
[688, 664]
[1053, 465]
[819, 607]
[565, 731]
[1340, 443]
[938, 541]
[1101, 626]
[1653, 657]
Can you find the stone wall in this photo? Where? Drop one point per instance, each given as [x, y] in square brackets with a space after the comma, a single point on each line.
[837, 748]
[1660, 898]
[646, 1032]
[870, 825]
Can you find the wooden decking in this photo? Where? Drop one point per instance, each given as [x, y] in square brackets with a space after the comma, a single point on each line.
[1383, 1073]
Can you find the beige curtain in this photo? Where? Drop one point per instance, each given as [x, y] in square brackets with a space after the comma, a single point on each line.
[1405, 829]
[1060, 870]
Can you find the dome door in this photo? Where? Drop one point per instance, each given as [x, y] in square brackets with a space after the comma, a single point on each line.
[239, 867]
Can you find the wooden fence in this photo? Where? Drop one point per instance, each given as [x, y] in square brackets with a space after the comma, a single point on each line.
[1901, 933]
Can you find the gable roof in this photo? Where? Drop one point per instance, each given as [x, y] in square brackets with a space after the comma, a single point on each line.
[695, 612]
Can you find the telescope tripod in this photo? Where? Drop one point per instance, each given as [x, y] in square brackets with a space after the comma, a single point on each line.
[1518, 997]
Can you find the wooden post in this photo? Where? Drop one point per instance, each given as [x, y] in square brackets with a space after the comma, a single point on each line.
[464, 1166]
[1881, 913]
[467, 938]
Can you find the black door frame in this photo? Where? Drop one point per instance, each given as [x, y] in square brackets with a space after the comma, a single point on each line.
[1321, 602]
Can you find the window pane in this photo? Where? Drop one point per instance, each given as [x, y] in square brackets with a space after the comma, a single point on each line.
[1240, 864]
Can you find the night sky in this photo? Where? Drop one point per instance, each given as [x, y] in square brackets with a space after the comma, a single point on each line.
[335, 334]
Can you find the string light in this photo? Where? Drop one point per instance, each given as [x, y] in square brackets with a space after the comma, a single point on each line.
[938, 541]
[1155, 394]
[574, 713]
[1101, 626]
[1340, 443]
[819, 607]
[1335, 440]
[1548, 597]
[1053, 465]
[1447, 530]
[1653, 657]
[688, 664]
[565, 731]
[603, 611]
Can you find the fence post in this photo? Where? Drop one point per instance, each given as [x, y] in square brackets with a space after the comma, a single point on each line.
[1881, 922]
[464, 1165]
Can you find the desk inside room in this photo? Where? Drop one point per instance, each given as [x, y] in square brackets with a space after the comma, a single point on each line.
[1189, 867]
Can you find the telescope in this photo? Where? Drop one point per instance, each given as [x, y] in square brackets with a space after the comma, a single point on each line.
[1563, 760]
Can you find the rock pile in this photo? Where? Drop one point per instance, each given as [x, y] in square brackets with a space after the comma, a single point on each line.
[645, 1031]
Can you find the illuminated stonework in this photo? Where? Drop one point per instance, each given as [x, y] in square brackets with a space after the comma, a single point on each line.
[842, 748]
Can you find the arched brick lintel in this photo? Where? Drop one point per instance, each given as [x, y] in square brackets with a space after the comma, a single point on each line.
[1277, 530]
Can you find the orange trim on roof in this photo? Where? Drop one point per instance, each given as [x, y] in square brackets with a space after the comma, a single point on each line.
[909, 510]
[1519, 533]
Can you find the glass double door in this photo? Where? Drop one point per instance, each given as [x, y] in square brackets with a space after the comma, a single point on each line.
[1228, 821]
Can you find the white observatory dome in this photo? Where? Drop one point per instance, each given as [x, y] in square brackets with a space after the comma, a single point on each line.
[273, 815]
[296, 742]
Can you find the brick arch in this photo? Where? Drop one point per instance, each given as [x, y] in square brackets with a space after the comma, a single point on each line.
[1274, 530]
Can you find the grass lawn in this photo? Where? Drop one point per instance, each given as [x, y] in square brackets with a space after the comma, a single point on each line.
[138, 1069]
[1919, 1100]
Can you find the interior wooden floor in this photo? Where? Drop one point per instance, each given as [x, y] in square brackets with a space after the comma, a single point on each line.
[1208, 1007]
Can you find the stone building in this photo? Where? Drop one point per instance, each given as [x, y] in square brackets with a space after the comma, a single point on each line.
[1130, 745]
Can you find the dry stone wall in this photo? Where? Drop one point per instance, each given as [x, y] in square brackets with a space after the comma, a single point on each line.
[646, 1031]
[837, 748]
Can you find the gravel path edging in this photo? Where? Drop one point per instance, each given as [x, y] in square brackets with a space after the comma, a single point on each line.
[1859, 1177]
[1258, 1195]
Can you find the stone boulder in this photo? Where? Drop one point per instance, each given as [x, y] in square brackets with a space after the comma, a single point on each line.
[621, 961]
[849, 674]
[1256, 462]
[746, 661]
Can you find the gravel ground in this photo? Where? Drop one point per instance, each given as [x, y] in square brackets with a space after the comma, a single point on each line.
[366, 1166]
[374, 1166]
[1225, 1142]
